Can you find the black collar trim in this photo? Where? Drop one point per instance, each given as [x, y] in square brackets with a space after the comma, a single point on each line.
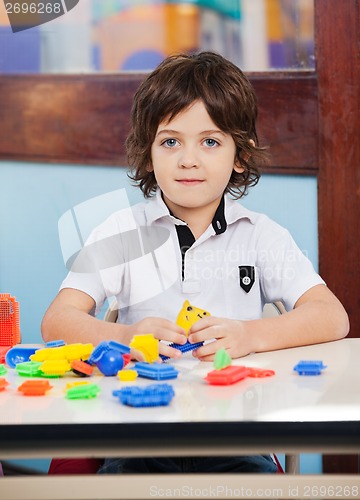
[219, 221]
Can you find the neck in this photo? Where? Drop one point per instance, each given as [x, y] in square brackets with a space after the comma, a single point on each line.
[198, 222]
[198, 219]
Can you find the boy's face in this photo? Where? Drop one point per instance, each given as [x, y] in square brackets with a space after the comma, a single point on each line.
[192, 160]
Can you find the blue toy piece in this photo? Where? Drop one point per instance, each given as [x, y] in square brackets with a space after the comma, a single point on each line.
[309, 367]
[19, 354]
[152, 395]
[110, 362]
[124, 349]
[183, 348]
[105, 346]
[97, 353]
[55, 343]
[157, 371]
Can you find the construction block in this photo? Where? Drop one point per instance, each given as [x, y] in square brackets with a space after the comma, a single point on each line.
[309, 367]
[148, 345]
[34, 387]
[227, 376]
[157, 371]
[152, 395]
[9, 320]
[183, 348]
[222, 359]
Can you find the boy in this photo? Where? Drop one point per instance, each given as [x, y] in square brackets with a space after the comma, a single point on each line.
[193, 143]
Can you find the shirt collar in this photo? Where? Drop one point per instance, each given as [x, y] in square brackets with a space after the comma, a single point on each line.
[235, 211]
[156, 209]
[228, 211]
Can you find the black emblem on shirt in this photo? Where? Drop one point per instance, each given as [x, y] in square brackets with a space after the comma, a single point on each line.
[247, 277]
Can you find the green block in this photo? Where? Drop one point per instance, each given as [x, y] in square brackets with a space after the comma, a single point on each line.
[29, 369]
[222, 359]
[85, 391]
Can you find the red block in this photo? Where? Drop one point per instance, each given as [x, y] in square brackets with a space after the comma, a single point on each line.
[228, 375]
[9, 321]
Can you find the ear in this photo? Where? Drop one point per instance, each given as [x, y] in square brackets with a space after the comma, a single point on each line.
[149, 168]
[238, 167]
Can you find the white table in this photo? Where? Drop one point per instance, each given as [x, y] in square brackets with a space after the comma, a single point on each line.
[285, 413]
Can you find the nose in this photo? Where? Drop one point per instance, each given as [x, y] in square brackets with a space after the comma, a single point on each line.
[188, 158]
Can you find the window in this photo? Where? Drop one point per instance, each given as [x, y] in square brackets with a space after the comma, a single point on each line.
[123, 35]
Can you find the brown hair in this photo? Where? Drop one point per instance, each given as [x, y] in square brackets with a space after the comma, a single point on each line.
[172, 87]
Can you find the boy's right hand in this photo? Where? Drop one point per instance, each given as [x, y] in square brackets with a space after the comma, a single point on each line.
[162, 329]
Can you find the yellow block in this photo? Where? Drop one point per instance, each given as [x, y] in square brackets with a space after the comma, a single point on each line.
[127, 375]
[148, 345]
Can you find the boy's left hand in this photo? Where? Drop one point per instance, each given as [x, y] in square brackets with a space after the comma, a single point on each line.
[229, 334]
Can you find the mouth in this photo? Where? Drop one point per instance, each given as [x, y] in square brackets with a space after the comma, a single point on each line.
[190, 182]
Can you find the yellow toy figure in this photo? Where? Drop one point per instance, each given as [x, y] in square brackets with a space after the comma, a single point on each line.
[189, 315]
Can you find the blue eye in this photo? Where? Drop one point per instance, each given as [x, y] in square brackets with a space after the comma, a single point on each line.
[170, 143]
[211, 143]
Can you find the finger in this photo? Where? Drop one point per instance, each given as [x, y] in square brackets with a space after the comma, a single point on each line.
[169, 325]
[210, 357]
[170, 336]
[208, 349]
[168, 351]
[137, 355]
[154, 324]
[202, 324]
[209, 333]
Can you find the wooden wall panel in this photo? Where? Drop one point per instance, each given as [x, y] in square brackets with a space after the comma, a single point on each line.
[338, 72]
[85, 119]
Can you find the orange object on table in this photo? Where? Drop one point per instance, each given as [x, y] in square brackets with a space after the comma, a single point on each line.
[227, 376]
[3, 384]
[34, 387]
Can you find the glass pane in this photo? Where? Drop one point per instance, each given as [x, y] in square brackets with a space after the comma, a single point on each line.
[124, 35]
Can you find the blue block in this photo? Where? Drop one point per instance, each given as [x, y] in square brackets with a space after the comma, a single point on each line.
[124, 349]
[55, 343]
[98, 352]
[309, 367]
[183, 348]
[156, 371]
[153, 395]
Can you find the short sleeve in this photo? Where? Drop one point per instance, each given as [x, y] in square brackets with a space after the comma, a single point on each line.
[285, 272]
[97, 269]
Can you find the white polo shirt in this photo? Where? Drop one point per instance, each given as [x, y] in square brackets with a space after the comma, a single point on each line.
[231, 270]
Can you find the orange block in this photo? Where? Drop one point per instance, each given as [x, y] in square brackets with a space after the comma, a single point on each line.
[9, 320]
[3, 384]
[34, 387]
